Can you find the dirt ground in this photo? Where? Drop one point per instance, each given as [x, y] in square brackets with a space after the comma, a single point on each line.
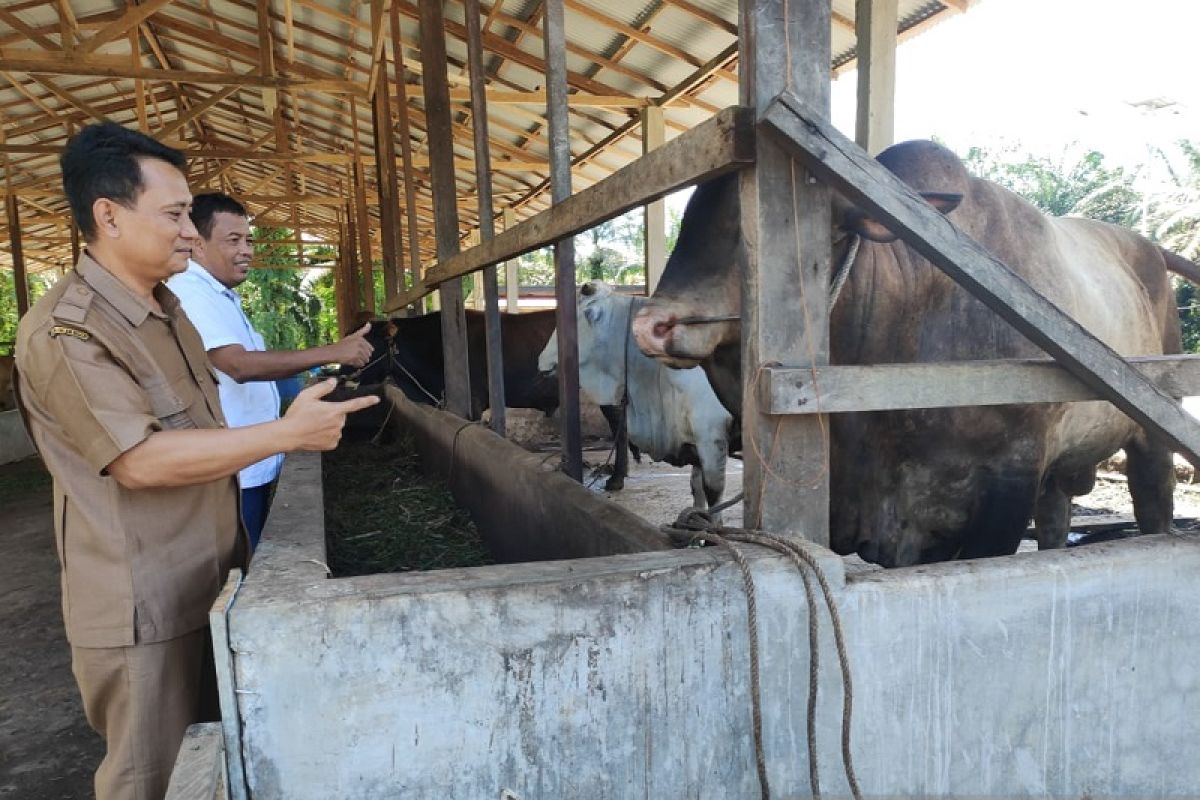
[47, 750]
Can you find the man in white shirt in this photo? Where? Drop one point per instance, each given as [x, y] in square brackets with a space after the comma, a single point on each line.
[246, 369]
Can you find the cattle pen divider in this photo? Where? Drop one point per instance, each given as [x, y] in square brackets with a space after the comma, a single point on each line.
[618, 668]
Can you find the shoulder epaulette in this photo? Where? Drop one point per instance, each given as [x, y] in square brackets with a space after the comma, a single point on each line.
[74, 304]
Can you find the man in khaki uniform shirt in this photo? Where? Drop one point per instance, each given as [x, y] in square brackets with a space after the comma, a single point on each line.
[122, 404]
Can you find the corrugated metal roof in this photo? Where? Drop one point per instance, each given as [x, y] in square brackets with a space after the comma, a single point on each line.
[292, 168]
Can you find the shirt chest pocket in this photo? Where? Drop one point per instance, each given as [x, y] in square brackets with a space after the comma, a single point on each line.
[173, 403]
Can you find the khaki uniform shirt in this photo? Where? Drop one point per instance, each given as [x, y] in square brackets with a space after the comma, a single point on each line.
[98, 372]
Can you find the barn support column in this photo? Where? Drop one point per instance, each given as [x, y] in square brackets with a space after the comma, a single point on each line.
[386, 183]
[410, 189]
[554, 38]
[445, 205]
[20, 283]
[353, 279]
[653, 135]
[875, 23]
[512, 278]
[487, 228]
[363, 220]
[785, 315]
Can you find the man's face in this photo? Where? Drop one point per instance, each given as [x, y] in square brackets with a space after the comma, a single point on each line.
[227, 251]
[154, 238]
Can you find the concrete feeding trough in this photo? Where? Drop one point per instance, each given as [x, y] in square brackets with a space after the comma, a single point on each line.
[619, 669]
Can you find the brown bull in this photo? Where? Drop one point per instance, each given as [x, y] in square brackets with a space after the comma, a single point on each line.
[917, 486]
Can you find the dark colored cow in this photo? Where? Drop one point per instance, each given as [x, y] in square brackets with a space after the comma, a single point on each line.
[926, 485]
[414, 361]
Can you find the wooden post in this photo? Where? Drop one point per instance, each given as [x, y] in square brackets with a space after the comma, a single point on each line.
[20, 283]
[554, 38]
[512, 280]
[875, 27]
[445, 205]
[353, 277]
[363, 224]
[785, 315]
[487, 228]
[410, 189]
[653, 135]
[385, 179]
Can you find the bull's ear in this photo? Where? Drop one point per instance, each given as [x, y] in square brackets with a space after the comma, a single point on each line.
[588, 289]
[593, 313]
[944, 202]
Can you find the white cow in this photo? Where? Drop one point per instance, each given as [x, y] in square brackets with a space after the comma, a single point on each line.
[673, 415]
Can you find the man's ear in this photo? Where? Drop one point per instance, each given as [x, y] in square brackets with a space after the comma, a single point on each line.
[105, 213]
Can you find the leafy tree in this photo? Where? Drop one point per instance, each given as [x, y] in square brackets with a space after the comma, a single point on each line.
[1085, 188]
[277, 301]
[38, 284]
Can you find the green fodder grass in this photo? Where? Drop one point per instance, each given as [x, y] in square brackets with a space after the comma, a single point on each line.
[383, 514]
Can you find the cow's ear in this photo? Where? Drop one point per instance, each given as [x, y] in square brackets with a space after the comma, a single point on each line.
[593, 313]
[944, 202]
[588, 289]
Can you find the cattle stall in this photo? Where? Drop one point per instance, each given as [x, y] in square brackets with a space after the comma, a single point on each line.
[618, 671]
[618, 667]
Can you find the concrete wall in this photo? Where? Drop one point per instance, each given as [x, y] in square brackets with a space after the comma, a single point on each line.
[1063, 674]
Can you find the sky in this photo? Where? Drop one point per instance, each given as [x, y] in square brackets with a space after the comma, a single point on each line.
[1049, 76]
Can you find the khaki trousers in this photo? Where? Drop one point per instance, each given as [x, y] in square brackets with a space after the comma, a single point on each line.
[141, 699]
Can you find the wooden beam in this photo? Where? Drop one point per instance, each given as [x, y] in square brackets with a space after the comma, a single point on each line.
[896, 387]
[724, 142]
[869, 185]
[487, 230]
[455, 359]
[120, 26]
[654, 216]
[16, 60]
[20, 283]
[786, 230]
[15, 22]
[875, 21]
[386, 184]
[538, 98]
[195, 111]
[554, 38]
[363, 222]
[512, 277]
[410, 190]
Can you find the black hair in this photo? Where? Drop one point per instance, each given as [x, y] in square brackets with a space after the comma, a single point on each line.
[101, 161]
[206, 206]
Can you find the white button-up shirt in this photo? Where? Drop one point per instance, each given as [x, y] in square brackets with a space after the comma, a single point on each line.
[217, 313]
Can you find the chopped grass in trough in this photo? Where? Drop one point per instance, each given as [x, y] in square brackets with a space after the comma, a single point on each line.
[383, 514]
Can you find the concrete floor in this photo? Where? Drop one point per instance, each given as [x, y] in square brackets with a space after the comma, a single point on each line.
[47, 750]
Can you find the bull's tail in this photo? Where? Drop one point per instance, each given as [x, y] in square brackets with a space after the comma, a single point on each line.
[1181, 266]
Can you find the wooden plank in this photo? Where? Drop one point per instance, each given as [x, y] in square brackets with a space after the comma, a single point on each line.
[199, 771]
[655, 213]
[512, 277]
[20, 281]
[440, 135]
[863, 181]
[218, 622]
[487, 228]
[406, 155]
[17, 60]
[120, 26]
[891, 387]
[785, 317]
[386, 183]
[363, 224]
[711, 148]
[566, 330]
[875, 23]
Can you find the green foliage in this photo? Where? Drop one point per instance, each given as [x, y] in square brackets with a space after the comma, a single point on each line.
[1086, 188]
[38, 284]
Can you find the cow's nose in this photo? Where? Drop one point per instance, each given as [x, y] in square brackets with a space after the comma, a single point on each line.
[652, 328]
